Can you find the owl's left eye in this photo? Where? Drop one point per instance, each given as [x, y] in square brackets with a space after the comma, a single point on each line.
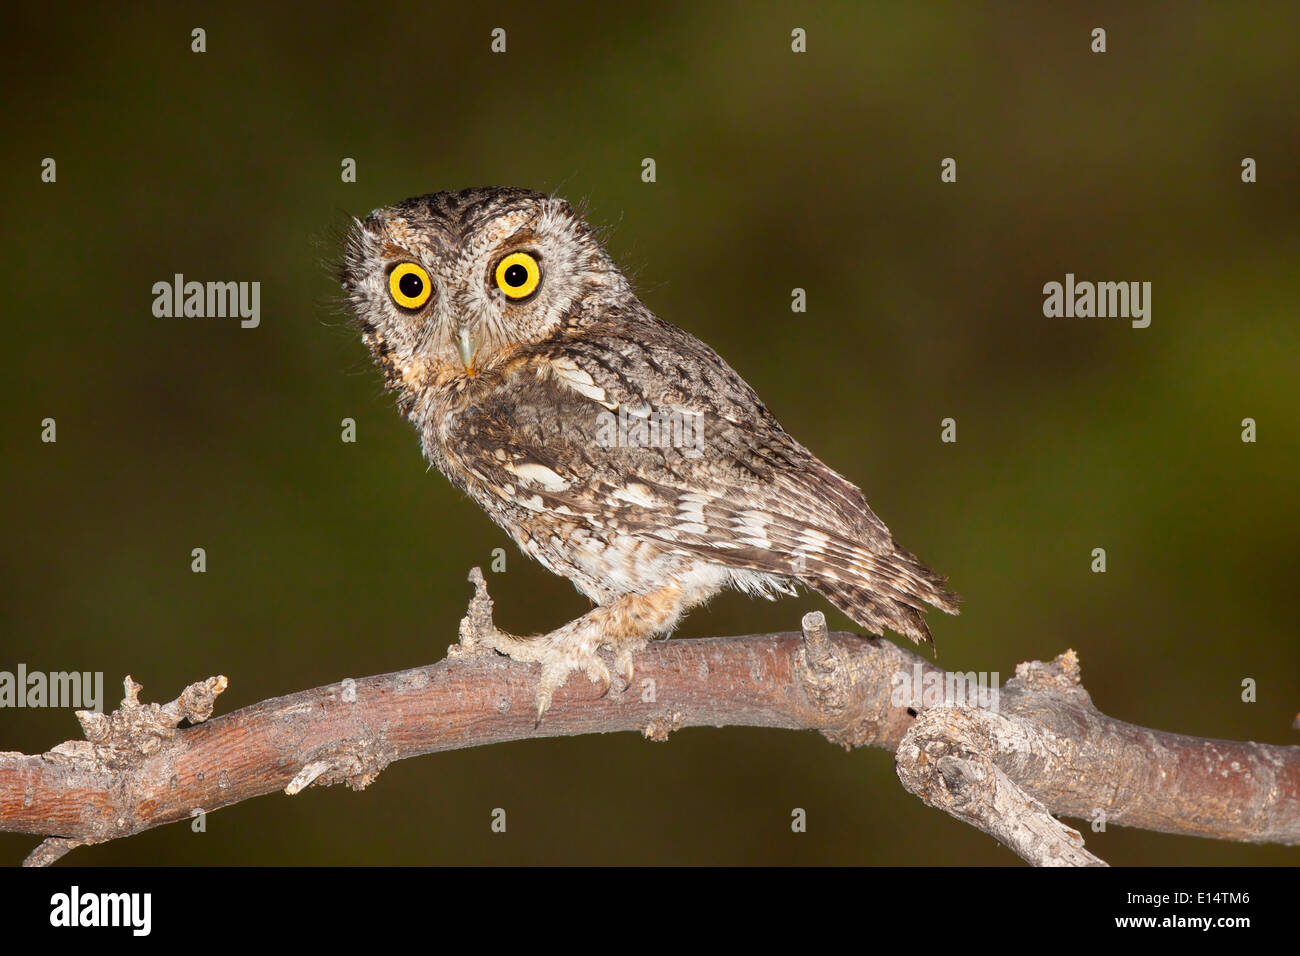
[518, 275]
[410, 286]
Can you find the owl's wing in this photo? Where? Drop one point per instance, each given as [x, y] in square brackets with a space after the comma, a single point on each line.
[641, 429]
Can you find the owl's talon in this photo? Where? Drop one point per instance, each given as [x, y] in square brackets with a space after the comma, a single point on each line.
[625, 652]
[598, 673]
[574, 647]
[623, 663]
[543, 704]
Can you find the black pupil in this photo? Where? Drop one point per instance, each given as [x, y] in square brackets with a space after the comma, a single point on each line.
[516, 276]
[411, 285]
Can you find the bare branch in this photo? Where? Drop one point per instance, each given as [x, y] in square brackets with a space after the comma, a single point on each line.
[50, 850]
[139, 771]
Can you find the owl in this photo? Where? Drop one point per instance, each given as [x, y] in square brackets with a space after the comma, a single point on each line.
[616, 449]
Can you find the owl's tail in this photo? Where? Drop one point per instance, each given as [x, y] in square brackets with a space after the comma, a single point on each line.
[884, 591]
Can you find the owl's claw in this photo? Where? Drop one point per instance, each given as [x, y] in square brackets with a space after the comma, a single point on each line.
[623, 662]
[560, 654]
[574, 647]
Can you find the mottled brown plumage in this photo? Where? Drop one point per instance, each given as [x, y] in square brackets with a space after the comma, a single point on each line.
[617, 449]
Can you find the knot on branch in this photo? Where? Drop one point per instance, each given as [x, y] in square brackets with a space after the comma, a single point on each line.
[821, 672]
[357, 763]
[945, 755]
[948, 758]
[135, 731]
[478, 619]
[1063, 674]
[661, 725]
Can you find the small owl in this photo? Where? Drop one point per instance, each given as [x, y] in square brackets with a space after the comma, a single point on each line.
[618, 450]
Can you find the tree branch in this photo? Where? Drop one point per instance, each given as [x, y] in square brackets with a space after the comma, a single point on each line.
[1041, 745]
[948, 759]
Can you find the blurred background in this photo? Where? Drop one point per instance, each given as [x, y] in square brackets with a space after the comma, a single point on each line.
[775, 170]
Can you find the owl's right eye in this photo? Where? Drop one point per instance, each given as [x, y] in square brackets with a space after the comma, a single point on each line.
[410, 286]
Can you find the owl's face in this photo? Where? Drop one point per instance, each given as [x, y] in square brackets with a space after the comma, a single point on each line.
[445, 283]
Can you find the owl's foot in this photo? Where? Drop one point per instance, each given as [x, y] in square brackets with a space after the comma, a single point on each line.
[624, 626]
[561, 652]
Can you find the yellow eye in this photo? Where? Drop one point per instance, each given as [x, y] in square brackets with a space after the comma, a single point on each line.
[409, 286]
[518, 275]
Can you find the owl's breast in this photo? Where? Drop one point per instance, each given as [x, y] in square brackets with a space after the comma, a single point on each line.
[603, 567]
[603, 560]
[531, 453]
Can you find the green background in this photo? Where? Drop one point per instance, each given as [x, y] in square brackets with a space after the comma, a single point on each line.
[775, 170]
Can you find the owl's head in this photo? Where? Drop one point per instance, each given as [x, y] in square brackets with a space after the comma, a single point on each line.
[446, 283]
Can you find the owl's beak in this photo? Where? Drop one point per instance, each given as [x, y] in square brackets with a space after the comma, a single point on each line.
[467, 347]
